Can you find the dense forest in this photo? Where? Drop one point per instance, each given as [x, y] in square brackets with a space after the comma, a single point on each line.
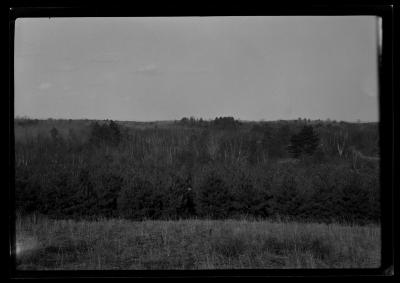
[320, 171]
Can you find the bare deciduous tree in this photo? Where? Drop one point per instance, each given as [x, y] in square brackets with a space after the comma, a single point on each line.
[341, 139]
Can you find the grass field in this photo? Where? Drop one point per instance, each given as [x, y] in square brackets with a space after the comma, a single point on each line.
[44, 244]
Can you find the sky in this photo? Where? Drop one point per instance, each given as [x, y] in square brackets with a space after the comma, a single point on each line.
[166, 68]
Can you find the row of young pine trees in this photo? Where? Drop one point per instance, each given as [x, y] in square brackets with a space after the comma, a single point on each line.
[101, 185]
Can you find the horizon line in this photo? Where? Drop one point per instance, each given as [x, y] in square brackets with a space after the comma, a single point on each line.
[197, 119]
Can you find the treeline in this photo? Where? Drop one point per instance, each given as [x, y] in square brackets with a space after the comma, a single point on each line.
[302, 171]
[218, 122]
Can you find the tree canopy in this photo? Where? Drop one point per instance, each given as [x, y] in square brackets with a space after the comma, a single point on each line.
[304, 142]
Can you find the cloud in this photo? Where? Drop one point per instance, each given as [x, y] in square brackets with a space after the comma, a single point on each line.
[110, 76]
[150, 69]
[45, 85]
[105, 57]
[66, 68]
[153, 69]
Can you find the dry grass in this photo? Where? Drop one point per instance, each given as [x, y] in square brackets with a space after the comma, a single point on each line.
[193, 244]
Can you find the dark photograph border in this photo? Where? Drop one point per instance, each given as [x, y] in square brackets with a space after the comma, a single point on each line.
[386, 128]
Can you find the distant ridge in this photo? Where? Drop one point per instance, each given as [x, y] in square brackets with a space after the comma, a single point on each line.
[205, 120]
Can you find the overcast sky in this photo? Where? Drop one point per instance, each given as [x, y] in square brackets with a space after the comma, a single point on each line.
[251, 68]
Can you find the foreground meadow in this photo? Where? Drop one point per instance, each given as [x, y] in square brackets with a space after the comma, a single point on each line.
[44, 244]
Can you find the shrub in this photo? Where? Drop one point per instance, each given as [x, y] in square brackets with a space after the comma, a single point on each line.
[248, 198]
[108, 190]
[138, 200]
[213, 196]
[179, 198]
[27, 192]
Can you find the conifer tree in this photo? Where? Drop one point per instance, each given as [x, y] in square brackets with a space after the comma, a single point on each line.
[305, 142]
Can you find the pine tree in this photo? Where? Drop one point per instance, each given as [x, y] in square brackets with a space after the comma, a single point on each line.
[295, 147]
[305, 142]
[214, 197]
[115, 133]
[310, 139]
